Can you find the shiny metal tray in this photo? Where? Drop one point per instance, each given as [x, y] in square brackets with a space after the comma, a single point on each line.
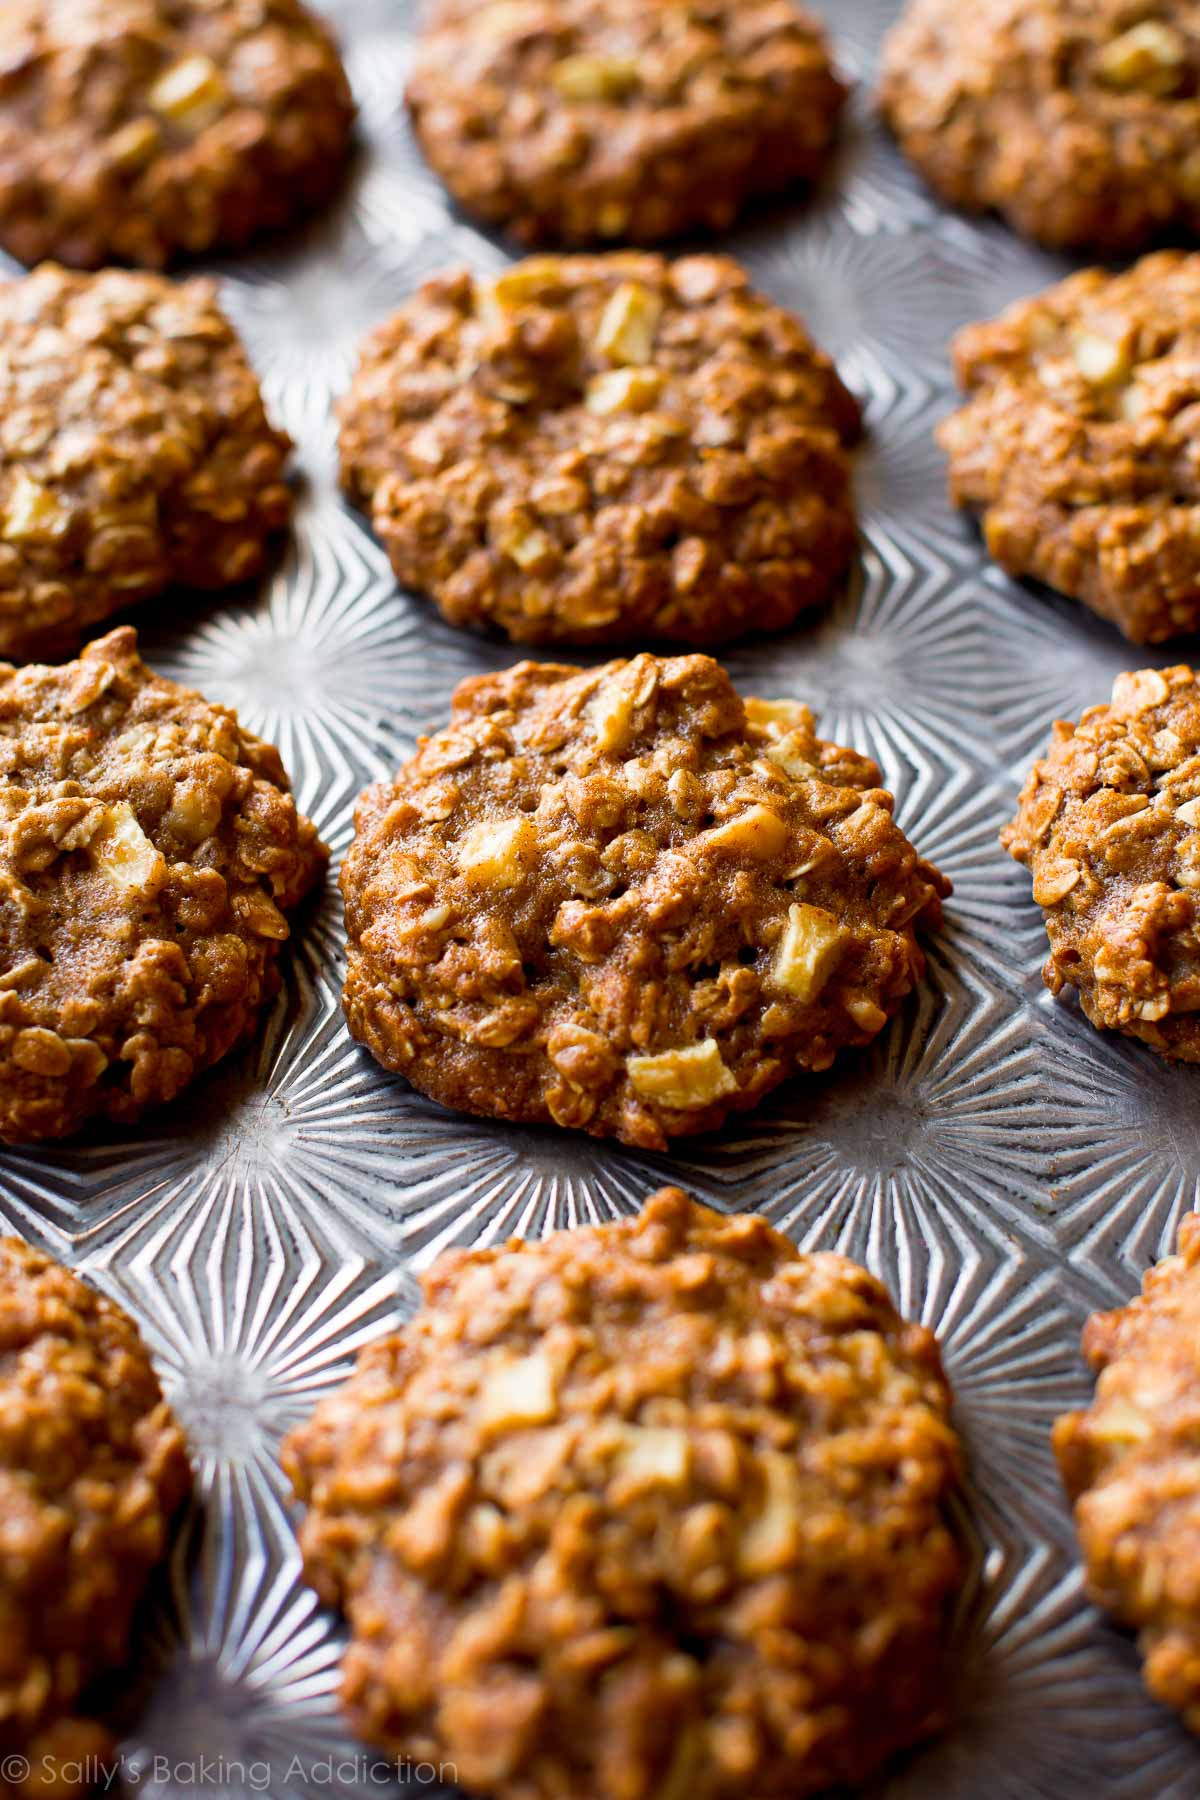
[1001, 1165]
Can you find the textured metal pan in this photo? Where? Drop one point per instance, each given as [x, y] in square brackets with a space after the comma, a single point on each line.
[998, 1163]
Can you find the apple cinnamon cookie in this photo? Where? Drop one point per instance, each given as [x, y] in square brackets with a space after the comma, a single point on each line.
[1130, 1467]
[1109, 827]
[137, 131]
[623, 900]
[134, 452]
[92, 1470]
[579, 121]
[651, 1508]
[1078, 120]
[149, 853]
[1077, 441]
[599, 449]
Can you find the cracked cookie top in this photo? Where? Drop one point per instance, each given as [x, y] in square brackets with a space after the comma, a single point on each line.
[92, 1469]
[579, 121]
[134, 452]
[1129, 1465]
[651, 1508]
[149, 852]
[137, 131]
[1077, 441]
[1078, 120]
[1109, 826]
[623, 900]
[598, 449]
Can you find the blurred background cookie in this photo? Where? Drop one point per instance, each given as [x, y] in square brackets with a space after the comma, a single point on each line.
[137, 131]
[658, 1507]
[576, 121]
[134, 452]
[1130, 1467]
[599, 449]
[1077, 443]
[149, 853]
[625, 901]
[92, 1470]
[1078, 120]
[1109, 827]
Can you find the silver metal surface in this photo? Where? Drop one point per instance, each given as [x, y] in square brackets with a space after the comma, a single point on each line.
[1000, 1164]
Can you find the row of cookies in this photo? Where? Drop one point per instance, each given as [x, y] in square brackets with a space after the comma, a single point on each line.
[587, 449]
[660, 1507]
[585, 872]
[142, 131]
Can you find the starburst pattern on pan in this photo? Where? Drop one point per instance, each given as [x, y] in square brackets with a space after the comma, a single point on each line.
[319, 665]
[933, 1129]
[891, 668]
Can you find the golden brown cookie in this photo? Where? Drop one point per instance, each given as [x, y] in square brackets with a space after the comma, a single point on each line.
[1109, 826]
[92, 1470]
[579, 121]
[654, 1508]
[137, 131]
[1131, 1465]
[1078, 120]
[134, 452]
[623, 900]
[1077, 441]
[149, 852]
[601, 449]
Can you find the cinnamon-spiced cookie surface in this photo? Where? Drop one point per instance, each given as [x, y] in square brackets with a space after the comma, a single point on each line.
[1109, 827]
[652, 1509]
[92, 1469]
[149, 853]
[137, 131]
[1076, 444]
[604, 449]
[1078, 120]
[579, 121]
[135, 453]
[623, 900]
[1131, 1465]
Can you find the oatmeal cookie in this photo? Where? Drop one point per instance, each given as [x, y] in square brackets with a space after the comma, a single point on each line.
[599, 449]
[1077, 443]
[92, 1469]
[149, 850]
[1078, 120]
[580, 121]
[1130, 1464]
[647, 1509]
[623, 900]
[137, 131]
[1109, 826]
[134, 452]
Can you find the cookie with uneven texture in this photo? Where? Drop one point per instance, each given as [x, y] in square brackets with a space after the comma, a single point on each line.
[149, 853]
[138, 131]
[1078, 120]
[603, 449]
[1131, 1465]
[1109, 827]
[1077, 441]
[645, 1511]
[134, 452]
[580, 121]
[92, 1470]
[623, 900]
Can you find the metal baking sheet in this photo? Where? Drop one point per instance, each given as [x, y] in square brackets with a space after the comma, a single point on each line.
[1002, 1166]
